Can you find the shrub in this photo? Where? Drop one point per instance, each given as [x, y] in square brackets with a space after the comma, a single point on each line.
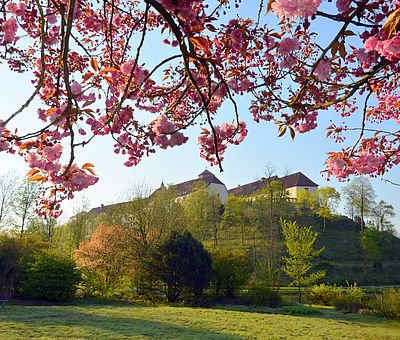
[104, 260]
[387, 304]
[266, 296]
[230, 271]
[300, 310]
[51, 277]
[350, 299]
[181, 264]
[15, 252]
[323, 294]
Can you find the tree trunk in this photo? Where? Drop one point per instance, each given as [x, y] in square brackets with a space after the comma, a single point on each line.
[362, 208]
[299, 292]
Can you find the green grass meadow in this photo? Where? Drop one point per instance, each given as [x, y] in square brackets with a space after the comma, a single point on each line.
[134, 321]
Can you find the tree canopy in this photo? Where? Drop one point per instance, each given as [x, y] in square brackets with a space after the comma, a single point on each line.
[92, 78]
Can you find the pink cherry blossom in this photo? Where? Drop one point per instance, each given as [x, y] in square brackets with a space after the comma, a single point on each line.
[343, 5]
[16, 8]
[53, 153]
[295, 8]
[81, 180]
[10, 29]
[323, 70]
[289, 45]
[370, 43]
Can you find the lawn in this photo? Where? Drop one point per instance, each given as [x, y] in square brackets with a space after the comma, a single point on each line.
[134, 321]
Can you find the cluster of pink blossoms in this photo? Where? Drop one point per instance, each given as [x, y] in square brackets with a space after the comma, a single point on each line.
[289, 45]
[308, 122]
[364, 163]
[9, 29]
[166, 133]
[343, 5]
[46, 161]
[4, 144]
[295, 8]
[390, 48]
[225, 134]
[323, 70]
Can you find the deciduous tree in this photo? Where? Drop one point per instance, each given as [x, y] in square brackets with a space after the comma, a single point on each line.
[381, 212]
[23, 203]
[105, 257]
[360, 195]
[327, 200]
[300, 243]
[8, 188]
[148, 220]
[203, 210]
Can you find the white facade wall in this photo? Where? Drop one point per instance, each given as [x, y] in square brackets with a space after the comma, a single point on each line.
[220, 190]
[293, 191]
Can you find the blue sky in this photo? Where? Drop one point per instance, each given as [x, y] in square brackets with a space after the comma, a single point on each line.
[242, 164]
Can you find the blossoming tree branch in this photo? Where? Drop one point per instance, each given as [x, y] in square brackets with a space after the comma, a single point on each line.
[91, 79]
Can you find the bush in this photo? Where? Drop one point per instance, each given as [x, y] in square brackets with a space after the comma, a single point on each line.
[323, 294]
[104, 260]
[300, 310]
[387, 304]
[15, 252]
[51, 277]
[266, 296]
[181, 264]
[350, 300]
[230, 271]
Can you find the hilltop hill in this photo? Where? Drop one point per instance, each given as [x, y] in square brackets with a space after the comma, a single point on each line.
[342, 258]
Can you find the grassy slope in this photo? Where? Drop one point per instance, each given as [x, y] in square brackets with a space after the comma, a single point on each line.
[342, 253]
[123, 321]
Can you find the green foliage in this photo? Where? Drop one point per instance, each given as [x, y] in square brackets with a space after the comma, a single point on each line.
[387, 304]
[148, 221]
[306, 202]
[323, 294]
[51, 277]
[360, 197]
[181, 264]
[300, 310]
[203, 211]
[327, 200]
[381, 212]
[11, 268]
[15, 252]
[350, 299]
[371, 243]
[235, 216]
[265, 295]
[230, 271]
[104, 260]
[300, 242]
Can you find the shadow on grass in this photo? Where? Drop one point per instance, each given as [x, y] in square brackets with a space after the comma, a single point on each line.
[89, 323]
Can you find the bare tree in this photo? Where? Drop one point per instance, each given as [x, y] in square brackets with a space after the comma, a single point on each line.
[24, 202]
[360, 195]
[381, 212]
[8, 188]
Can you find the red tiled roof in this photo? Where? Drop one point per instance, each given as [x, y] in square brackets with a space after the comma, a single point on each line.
[206, 177]
[103, 208]
[297, 180]
[247, 189]
[293, 180]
